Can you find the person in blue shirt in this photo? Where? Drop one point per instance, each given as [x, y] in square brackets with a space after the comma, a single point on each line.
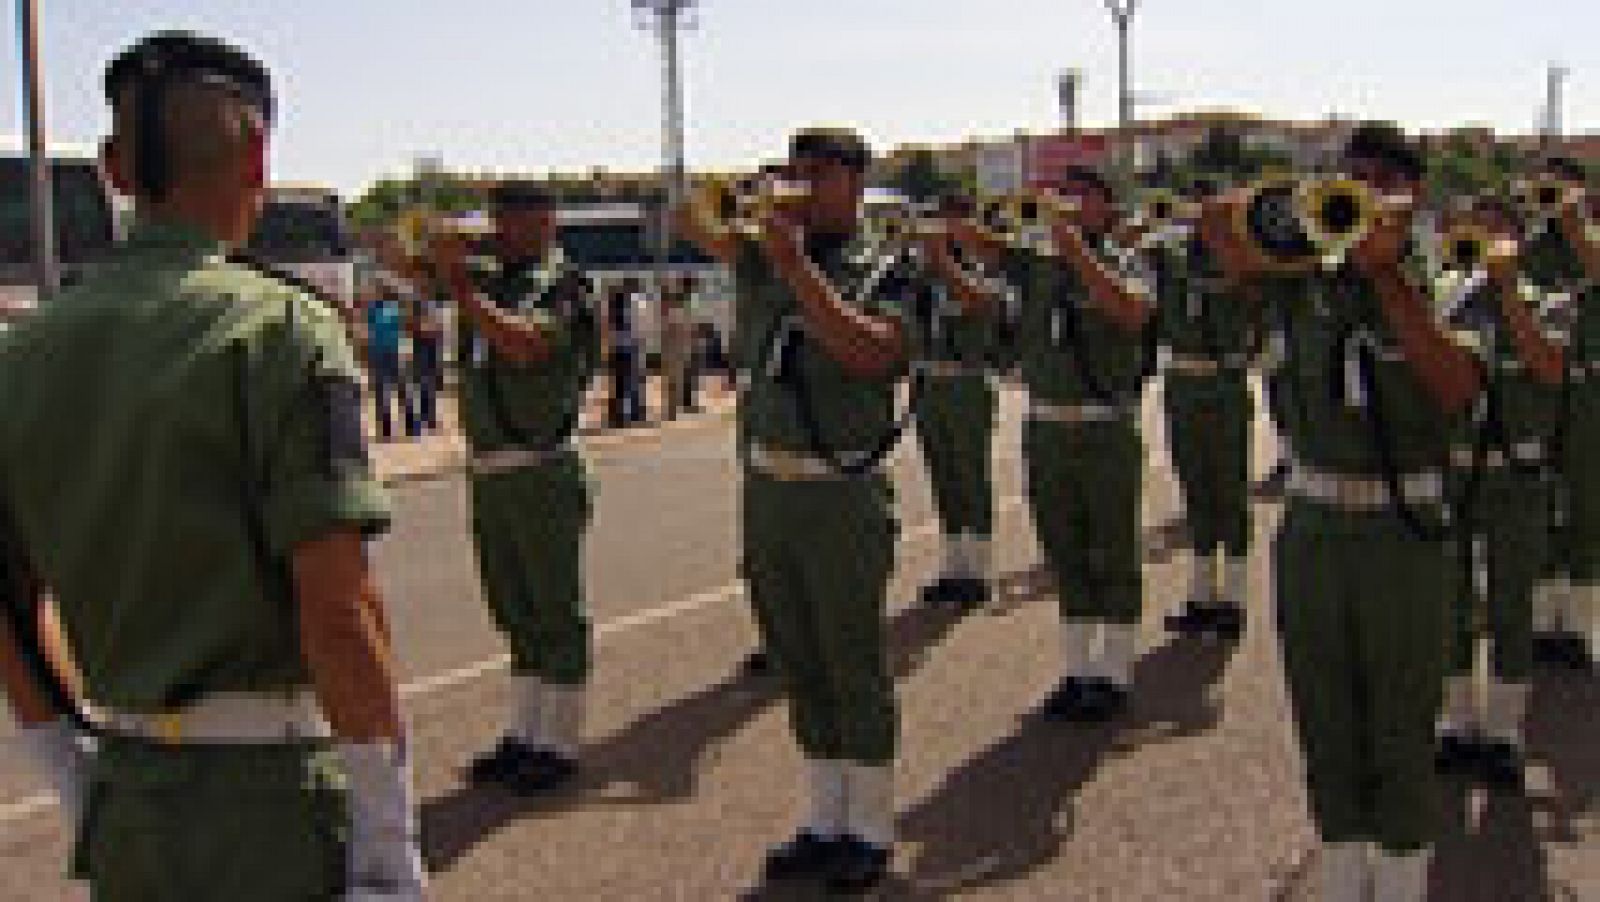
[385, 320]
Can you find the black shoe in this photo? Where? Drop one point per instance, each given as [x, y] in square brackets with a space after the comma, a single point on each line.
[522, 768]
[1227, 619]
[756, 664]
[806, 857]
[857, 866]
[1196, 617]
[940, 592]
[1552, 649]
[1457, 754]
[1500, 765]
[1085, 700]
[1572, 652]
[970, 592]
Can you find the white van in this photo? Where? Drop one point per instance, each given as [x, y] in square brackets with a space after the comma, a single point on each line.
[302, 231]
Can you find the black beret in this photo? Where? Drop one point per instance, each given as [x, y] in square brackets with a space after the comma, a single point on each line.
[520, 194]
[1565, 168]
[1386, 143]
[840, 145]
[183, 57]
[1085, 175]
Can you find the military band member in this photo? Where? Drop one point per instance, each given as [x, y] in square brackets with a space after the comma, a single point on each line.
[955, 419]
[1209, 337]
[1501, 494]
[1080, 350]
[1558, 262]
[182, 467]
[530, 349]
[1371, 386]
[822, 340]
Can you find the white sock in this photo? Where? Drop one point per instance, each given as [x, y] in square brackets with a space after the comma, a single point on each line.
[869, 804]
[1236, 578]
[1077, 646]
[1586, 616]
[955, 558]
[1459, 716]
[980, 558]
[1202, 578]
[1400, 877]
[563, 719]
[1342, 872]
[1554, 613]
[525, 720]
[827, 814]
[1118, 650]
[1505, 706]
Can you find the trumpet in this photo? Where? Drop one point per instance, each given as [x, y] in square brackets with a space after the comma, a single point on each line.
[1466, 247]
[745, 210]
[1297, 224]
[1542, 198]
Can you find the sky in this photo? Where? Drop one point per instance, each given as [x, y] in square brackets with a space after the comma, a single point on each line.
[366, 86]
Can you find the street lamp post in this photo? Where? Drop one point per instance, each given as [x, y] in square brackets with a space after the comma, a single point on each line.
[668, 19]
[46, 264]
[1122, 12]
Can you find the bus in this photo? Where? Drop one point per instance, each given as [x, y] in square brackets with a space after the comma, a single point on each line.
[302, 231]
[89, 219]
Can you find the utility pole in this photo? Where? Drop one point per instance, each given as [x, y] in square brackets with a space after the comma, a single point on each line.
[46, 263]
[1554, 102]
[1122, 12]
[668, 19]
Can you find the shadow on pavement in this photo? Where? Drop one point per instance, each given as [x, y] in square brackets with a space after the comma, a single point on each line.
[1007, 811]
[656, 759]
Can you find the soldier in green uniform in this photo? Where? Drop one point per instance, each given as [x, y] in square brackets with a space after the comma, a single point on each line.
[530, 348]
[1501, 502]
[1370, 388]
[955, 419]
[822, 340]
[1081, 351]
[182, 468]
[1209, 337]
[1567, 609]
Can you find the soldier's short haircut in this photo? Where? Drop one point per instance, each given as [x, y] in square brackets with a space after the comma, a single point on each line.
[206, 128]
[1565, 168]
[1386, 143]
[839, 145]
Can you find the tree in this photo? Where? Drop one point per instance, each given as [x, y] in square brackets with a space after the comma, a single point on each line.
[921, 179]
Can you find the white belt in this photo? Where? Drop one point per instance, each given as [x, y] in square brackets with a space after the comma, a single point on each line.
[784, 465]
[1074, 414]
[1525, 452]
[948, 369]
[515, 457]
[1362, 492]
[225, 718]
[1191, 365]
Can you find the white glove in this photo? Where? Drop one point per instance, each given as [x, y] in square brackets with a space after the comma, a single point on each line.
[63, 753]
[384, 856]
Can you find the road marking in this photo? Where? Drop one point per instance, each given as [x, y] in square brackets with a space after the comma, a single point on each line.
[40, 802]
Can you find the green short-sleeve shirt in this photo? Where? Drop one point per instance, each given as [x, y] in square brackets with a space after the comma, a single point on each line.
[1067, 350]
[505, 403]
[1195, 315]
[853, 414]
[170, 429]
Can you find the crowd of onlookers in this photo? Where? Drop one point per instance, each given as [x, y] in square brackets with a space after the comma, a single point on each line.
[404, 339]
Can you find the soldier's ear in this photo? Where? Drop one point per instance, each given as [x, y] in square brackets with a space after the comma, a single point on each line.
[114, 162]
[256, 157]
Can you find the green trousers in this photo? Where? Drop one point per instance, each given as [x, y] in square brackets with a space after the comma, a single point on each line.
[528, 526]
[1578, 549]
[212, 824]
[817, 560]
[1362, 612]
[955, 429]
[1208, 430]
[1085, 486]
[1510, 526]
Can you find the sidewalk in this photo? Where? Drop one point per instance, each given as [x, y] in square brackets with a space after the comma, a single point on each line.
[400, 460]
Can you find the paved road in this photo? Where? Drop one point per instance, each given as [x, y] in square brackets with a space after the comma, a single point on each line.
[1195, 796]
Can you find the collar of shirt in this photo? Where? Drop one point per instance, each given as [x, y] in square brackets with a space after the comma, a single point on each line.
[156, 233]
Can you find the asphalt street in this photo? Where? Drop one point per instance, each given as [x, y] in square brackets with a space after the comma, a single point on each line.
[690, 772]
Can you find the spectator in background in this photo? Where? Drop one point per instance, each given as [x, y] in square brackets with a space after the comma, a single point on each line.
[385, 322]
[626, 402]
[426, 325]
